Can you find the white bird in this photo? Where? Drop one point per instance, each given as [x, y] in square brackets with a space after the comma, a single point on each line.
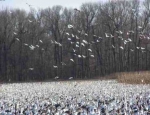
[55, 66]
[139, 27]
[117, 32]
[82, 44]
[60, 44]
[25, 44]
[74, 50]
[37, 46]
[86, 34]
[70, 78]
[56, 42]
[32, 47]
[79, 56]
[125, 41]
[72, 35]
[69, 38]
[142, 48]
[70, 26]
[97, 41]
[31, 69]
[77, 45]
[120, 37]
[129, 39]
[77, 42]
[138, 47]
[15, 33]
[92, 55]
[131, 31]
[83, 56]
[79, 31]
[41, 41]
[77, 37]
[131, 50]
[17, 39]
[67, 33]
[52, 41]
[106, 35]
[63, 63]
[111, 36]
[85, 41]
[90, 50]
[120, 32]
[56, 77]
[29, 20]
[113, 46]
[121, 47]
[72, 60]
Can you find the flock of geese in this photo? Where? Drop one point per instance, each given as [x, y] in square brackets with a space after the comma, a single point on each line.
[78, 43]
[82, 42]
[74, 98]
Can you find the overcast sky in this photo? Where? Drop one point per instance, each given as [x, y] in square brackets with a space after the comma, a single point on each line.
[43, 3]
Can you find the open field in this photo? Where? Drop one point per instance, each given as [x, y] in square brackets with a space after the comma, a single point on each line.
[94, 97]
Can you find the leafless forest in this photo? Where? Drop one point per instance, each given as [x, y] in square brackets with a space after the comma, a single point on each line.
[61, 43]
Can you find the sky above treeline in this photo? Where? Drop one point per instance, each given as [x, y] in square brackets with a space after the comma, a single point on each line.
[22, 4]
[36, 4]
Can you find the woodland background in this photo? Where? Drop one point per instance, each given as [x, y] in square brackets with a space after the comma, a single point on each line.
[95, 40]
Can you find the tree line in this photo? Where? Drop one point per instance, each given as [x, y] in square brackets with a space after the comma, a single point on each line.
[68, 43]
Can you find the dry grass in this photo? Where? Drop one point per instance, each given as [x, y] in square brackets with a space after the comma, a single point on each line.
[141, 77]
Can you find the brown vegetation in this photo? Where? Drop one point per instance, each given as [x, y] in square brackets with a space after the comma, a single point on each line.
[141, 77]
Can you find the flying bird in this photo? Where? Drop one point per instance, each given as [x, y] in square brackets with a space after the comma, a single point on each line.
[32, 47]
[90, 50]
[85, 41]
[121, 47]
[106, 35]
[55, 66]
[41, 41]
[83, 56]
[69, 38]
[37, 46]
[77, 45]
[79, 56]
[25, 44]
[67, 33]
[70, 26]
[72, 35]
[17, 39]
[113, 46]
[76, 10]
[72, 60]
[92, 55]
[77, 37]
[15, 33]
[31, 69]
[56, 77]
[29, 20]
[70, 78]
[82, 44]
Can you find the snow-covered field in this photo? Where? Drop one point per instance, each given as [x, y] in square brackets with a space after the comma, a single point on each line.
[70, 98]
